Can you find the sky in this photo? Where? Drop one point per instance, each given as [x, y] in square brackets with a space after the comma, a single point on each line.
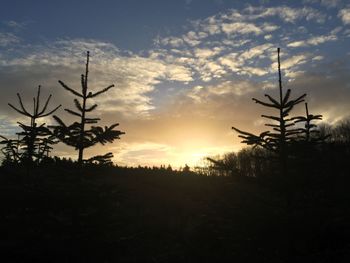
[185, 71]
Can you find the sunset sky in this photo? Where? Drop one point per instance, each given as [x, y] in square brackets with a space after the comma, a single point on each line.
[185, 70]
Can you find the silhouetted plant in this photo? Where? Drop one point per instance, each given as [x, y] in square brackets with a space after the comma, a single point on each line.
[10, 149]
[34, 135]
[283, 131]
[101, 159]
[310, 132]
[45, 148]
[76, 134]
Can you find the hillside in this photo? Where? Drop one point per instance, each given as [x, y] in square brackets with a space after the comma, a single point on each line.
[107, 215]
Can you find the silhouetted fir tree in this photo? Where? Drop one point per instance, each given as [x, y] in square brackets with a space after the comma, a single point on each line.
[104, 160]
[10, 149]
[76, 134]
[309, 132]
[283, 132]
[45, 148]
[278, 141]
[307, 151]
[33, 134]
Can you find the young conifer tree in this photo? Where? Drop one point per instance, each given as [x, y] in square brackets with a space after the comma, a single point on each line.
[283, 130]
[310, 133]
[33, 134]
[10, 149]
[78, 135]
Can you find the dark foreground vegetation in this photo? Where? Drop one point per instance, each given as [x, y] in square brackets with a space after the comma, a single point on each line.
[60, 212]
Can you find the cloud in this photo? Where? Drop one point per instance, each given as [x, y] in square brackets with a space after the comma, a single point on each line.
[330, 3]
[292, 61]
[318, 58]
[7, 39]
[231, 61]
[15, 25]
[313, 41]
[241, 28]
[326, 3]
[212, 29]
[229, 42]
[224, 89]
[328, 90]
[255, 51]
[300, 43]
[287, 14]
[344, 15]
[269, 27]
[206, 52]
[191, 38]
[8, 128]
[135, 76]
[172, 41]
[321, 39]
[254, 71]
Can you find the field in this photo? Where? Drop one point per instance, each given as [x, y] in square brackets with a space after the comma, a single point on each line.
[107, 215]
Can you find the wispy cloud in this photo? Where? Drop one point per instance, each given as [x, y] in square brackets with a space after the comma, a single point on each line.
[326, 3]
[7, 39]
[287, 14]
[331, 3]
[291, 62]
[230, 42]
[255, 51]
[15, 25]
[313, 41]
